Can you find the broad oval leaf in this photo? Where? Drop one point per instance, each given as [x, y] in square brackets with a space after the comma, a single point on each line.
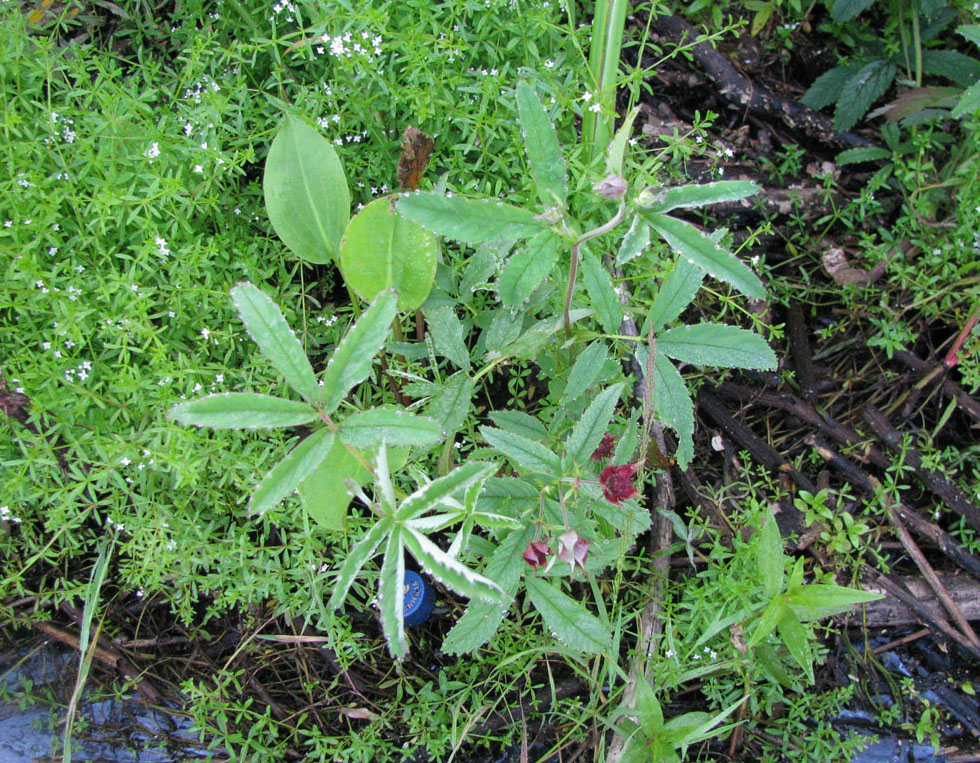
[242, 410]
[268, 328]
[351, 361]
[383, 250]
[393, 426]
[567, 619]
[541, 144]
[306, 192]
[469, 221]
[696, 247]
[716, 344]
[285, 476]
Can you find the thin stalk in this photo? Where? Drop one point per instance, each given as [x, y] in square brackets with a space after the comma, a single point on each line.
[607, 45]
[573, 266]
[917, 41]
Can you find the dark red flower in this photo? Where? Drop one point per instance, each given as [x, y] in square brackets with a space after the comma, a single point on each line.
[536, 554]
[573, 549]
[617, 482]
[605, 449]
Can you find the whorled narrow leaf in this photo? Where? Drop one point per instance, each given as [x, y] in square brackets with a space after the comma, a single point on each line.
[351, 361]
[268, 328]
[391, 596]
[469, 221]
[449, 571]
[431, 495]
[242, 410]
[390, 425]
[716, 344]
[693, 245]
[567, 619]
[544, 155]
[526, 454]
[285, 476]
[676, 293]
[592, 425]
[482, 618]
[356, 558]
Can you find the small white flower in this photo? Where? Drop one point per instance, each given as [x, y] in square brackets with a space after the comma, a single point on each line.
[125, 462]
[153, 151]
[198, 169]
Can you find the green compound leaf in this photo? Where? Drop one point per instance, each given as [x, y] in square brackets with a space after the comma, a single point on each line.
[356, 558]
[541, 144]
[469, 221]
[593, 424]
[686, 196]
[391, 595]
[527, 455]
[587, 367]
[678, 289]
[566, 618]
[674, 406]
[715, 344]
[268, 328]
[447, 331]
[286, 476]
[391, 425]
[861, 90]
[350, 363]
[242, 410]
[449, 571]
[383, 250]
[325, 494]
[526, 268]
[306, 192]
[482, 618]
[693, 245]
[602, 293]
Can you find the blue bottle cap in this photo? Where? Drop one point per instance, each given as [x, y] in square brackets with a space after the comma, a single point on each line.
[419, 599]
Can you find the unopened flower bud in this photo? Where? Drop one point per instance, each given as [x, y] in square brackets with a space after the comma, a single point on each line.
[613, 187]
[648, 197]
[551, 215]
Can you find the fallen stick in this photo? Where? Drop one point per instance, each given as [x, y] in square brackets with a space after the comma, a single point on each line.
[949, 387]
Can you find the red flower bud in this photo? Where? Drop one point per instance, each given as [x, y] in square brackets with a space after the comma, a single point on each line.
[605, 449]
[536, 554]
[613, 187]
[617, 482]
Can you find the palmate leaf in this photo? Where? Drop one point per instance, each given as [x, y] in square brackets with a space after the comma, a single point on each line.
[544, 155]
[390, 425]
[356, 558]
[242, 410]
[864, 87]
[686, 196]
[482, 618]
[391, 595]
[431, 495]
[285, 476]
[593, 424]
[350, 363]
[693, 245]
[827, 88]
[715, 344]
[450, 572]
[566, 618]
[268, 328]
[469, 221]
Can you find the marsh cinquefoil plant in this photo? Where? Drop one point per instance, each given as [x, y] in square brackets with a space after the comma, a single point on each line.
[549, 504]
